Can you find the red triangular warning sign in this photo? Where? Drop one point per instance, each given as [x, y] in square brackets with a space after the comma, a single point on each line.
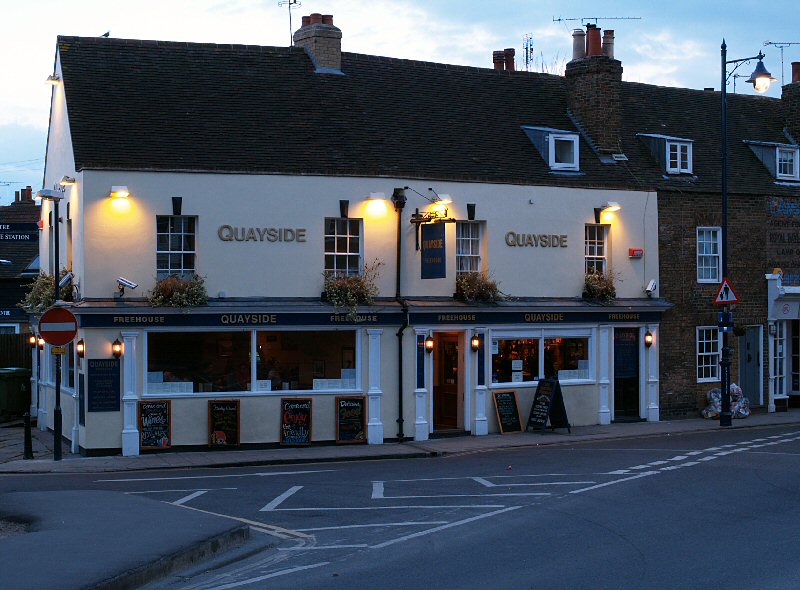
[726, 295]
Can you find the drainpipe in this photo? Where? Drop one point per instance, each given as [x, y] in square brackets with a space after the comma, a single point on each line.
[399, 200]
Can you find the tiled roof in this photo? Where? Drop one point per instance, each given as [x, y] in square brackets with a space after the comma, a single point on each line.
[234, 108]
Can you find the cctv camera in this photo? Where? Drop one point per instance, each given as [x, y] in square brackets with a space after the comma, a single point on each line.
[126, 283]
[65, 280]
[651, 287]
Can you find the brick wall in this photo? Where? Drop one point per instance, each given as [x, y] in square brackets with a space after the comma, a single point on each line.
[790, 98]
[593, 90]
[748, 260]
[323, 43]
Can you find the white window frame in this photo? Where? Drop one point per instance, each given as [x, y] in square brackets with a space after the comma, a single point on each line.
[552, 139]
[591, 248]
[465, 245]
[182, 272]
[14, 328]
[718, 255]
[680, 168]
[779, 360]
[795, 163]
[714, 356]
[347, 236]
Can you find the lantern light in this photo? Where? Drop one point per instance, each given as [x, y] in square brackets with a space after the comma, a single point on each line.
[80, 348]
[429, 344]
[116, 348]
[648, 339]
[475, 342]
[41, 343]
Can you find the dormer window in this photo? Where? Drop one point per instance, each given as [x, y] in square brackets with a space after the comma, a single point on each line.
[557, 147]
[563, 152]
[786, 163]
[679, 157]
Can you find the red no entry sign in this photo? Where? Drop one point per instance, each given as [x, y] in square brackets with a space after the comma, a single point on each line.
[58, 326]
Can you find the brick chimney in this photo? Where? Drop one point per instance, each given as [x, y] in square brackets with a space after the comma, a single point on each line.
[322, 42]
[594, 83]
[499, 60]
[26, 194]
[508, 54]
[790, 99]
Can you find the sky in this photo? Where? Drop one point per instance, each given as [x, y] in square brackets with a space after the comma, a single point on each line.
[675, 43]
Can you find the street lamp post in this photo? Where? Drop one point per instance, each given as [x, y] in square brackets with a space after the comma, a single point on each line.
[761, 79]
[55, 196]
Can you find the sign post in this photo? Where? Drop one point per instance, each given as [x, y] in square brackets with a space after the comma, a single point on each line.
[725, 296]
[58, 327]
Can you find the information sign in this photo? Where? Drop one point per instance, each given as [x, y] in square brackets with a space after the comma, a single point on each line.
[155, 424]
[103, 391]
[548, 402]
[505, 404]
[223, 423]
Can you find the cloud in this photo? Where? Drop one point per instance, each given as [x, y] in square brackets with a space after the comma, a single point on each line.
[666, 59]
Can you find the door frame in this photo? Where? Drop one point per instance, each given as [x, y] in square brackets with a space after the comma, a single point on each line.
[465, 368]
[760, 361]
[642, 371]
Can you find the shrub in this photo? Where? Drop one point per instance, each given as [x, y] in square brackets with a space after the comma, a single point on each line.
[176, 291]
[40, 295]
[350, 291]
[477, 286]
[599, 287]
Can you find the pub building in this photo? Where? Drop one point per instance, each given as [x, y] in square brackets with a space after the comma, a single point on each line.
[261, 169]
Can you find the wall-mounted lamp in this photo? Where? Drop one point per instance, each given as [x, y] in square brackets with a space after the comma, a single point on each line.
[41, 343]
[648, 339]
[52, 79]
[80, 348]
[116, 348]
[119, 192]
[32, 340]
[429, 344]
[609, 207]
[344, 208]
[475, 343]
[66, 180]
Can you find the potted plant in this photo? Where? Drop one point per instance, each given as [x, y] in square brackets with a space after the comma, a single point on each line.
[177, 291]
[350, 291]
[599, 287]
[474, 287]
[41, 296]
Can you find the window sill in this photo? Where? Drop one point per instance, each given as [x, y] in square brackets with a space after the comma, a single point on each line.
[226, 394]
[715, 380]
[518, 384]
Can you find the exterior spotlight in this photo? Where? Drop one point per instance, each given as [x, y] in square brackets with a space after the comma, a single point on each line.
[611, 207]
[52, 79]
[116, 348]
[648, 339]
[80, 348]
[761, 78]
[66, 180]
[32, 340]
[119, 192]
[429, 344]
[475, 343]
[41, 343]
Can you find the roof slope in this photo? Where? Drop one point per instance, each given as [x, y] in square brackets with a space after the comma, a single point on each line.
[233, 108]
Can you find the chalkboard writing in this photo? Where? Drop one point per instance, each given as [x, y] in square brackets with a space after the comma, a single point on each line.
[351, 420]
[295, 421]
[223, 423]
[155, 424]
[103, 385]
[548, 402]
[505, 404]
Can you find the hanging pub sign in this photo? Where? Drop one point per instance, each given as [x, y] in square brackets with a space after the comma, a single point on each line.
[434, 256]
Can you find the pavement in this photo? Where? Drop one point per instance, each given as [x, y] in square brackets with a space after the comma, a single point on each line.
[112, 546]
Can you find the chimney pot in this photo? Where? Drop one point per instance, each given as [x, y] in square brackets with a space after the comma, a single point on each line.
[593, 44]
[16, 196]
[316, 18]
[578, 44]
[708, 89]
[795, 71]
[306, 20]
[608, 43]
[509, 58]
[327, 19]
[499, 60]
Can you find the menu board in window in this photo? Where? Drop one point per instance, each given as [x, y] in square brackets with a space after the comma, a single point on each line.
[155, 424]
[505, 404]
[295, 421]
[351, 419]
[223, 423]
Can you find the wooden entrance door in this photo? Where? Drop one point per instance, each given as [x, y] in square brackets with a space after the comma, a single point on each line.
[445, 381]
[626, 374]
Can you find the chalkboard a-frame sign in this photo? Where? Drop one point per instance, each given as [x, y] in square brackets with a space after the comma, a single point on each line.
[155, 424]
[295, 421]
[351, 418]
[548, 402]
[505, 404]
[223, 423]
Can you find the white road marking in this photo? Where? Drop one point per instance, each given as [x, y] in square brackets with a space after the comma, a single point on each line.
[657, 463]
[271, 575]
[273, 530]
[468, 495]
[171, 491]
[377, 490]
[616, 481]
[709, 458]
[216, 476]
[404, 507]
[443, 527]
[492, 476]
[318, 547]
[191, 496]
[639, 467]
[366, 526]
[679, 458]
[692, 453]
[277, 501]
[617, 472]
[485, 482]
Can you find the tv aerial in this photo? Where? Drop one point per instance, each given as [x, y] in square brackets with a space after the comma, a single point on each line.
[291, 4]
[781, 45]
[586, 19]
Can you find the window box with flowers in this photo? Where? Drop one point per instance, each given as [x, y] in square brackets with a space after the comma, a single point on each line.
[350, 291]
[177, 291]
[477, 287]
[599, 287]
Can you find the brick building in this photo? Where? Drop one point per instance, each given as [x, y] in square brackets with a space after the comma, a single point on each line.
[19, 252]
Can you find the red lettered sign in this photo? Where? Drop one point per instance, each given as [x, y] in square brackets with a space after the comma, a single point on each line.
[58, 326]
